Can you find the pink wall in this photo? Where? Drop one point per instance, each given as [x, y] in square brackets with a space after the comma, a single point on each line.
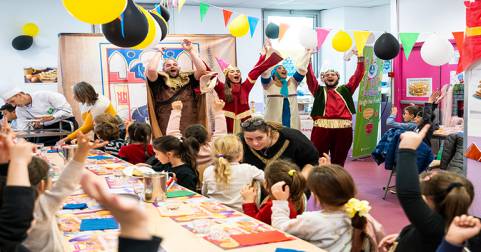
[415, 67]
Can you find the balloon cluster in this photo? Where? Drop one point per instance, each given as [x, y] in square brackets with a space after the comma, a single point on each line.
[124, 23]
[25, 41]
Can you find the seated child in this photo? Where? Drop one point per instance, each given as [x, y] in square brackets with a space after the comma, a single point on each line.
[139, 148]
[44, 234]
[340, 225]
[409, 114]
[276, 171]
[224, 180]
[180, 155]
[107, 129]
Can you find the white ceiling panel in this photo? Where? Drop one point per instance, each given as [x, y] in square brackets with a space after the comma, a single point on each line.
[285, 4]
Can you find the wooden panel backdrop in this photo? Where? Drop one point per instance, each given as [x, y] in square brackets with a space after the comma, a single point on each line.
[118, 72]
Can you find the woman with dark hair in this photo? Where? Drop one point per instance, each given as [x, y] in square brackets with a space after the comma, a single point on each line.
[265, 142]
[235, 92]
[92, 105]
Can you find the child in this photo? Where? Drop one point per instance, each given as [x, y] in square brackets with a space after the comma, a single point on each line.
[276, 171]
[461, 229]
[107, 129]
[199, 132]
[430, 204]
[18, 196]
[44, 234]
[139, 148]
[180, 154]
[340, 225]
[224, 179]
[409, 115]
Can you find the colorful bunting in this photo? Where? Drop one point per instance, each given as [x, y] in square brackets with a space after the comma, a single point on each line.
[227, 15]
[360, 37]
[459, 38]
[203, 7]
[408, 40]
[252, 24]
[321, 36]
[181, 4]
[282, 30]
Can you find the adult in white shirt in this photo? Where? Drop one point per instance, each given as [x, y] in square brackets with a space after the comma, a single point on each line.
[48, 107]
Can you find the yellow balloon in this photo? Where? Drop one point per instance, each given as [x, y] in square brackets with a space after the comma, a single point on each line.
[341, 42]
[152, 30]
[239, 26]
[95, 11]
[30, 29]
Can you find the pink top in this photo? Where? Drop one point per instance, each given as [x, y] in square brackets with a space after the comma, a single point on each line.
[204, 157]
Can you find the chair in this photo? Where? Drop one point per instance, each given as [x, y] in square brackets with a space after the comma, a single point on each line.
[388, 185]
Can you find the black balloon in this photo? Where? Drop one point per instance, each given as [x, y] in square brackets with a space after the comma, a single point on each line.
[22, 42]
[386, 47]
[164, 12]
[136, 27]
[162, 23]
[272, 31]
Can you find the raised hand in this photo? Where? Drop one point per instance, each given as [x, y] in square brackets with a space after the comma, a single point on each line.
[325, 159]
[206, 85]
[249, 194]
[187, 45]
[280, 191]
[394, 111]
[387, 242]
[412, 140]
[462, 228]
[177, 105]
[434, 98]
[128, 212]
[218, 105]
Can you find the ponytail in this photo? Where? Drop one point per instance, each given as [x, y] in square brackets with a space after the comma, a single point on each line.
[456, 202]
[188, 153]
[222, 169]
[357, 211]
[296, 189]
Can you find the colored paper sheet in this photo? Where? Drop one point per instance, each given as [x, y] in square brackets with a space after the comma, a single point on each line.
[260, 238]
[179, 193]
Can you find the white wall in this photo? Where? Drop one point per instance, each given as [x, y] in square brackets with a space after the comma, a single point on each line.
[188, 22]
[52, 19]
[427, 16]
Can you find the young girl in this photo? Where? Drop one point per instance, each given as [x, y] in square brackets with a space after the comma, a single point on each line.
[44, 234]
[139, 148]
[409, 115]
[224, 179]
[276, 171]
[340, 225]
[199, 132]
[180, 154]
[107, 129]
[430, 203]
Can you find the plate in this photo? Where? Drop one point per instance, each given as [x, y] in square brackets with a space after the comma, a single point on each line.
[139, 170]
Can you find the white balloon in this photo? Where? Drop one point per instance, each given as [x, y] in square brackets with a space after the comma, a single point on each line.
[307, 37]
[437, 51]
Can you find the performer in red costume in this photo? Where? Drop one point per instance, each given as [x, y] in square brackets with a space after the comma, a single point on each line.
[235, 92]
[471, 51]
[332, 112]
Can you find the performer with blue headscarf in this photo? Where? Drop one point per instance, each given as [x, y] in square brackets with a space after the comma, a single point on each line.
[281, 93]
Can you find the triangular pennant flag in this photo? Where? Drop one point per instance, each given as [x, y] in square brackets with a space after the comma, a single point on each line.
[222, 64]
[203, 7]
[282, 30]
[321, 36]
[181, 4]
[227, 14]
[252, 24]
[360, 37]
[408, 40]
[459, 38]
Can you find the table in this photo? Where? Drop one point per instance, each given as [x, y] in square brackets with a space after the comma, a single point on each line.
[175, 236]
[41, 133]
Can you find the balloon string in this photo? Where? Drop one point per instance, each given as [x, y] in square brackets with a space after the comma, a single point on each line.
[122, 25]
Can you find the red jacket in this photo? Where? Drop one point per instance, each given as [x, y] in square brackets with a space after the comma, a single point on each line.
[265, 212]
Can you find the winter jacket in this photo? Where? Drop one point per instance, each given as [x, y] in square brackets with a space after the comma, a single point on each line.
[453, 157]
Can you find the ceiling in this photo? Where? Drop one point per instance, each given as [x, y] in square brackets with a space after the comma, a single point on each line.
[285, 4]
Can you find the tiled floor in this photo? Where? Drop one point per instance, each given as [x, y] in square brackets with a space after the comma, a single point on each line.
[370, 179]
